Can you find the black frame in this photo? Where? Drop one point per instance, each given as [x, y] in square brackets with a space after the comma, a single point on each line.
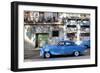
[14, 35]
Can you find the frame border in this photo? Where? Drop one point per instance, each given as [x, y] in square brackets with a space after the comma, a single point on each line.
[14, 35]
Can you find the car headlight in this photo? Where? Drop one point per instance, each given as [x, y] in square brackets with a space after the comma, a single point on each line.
[46, 49]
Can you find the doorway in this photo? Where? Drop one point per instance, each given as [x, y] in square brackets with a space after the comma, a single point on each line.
[41, 39]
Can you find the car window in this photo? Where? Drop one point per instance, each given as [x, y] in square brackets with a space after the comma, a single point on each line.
[69, 43]
[61, 43]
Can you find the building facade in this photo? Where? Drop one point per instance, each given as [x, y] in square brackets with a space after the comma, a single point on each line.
[50, 27]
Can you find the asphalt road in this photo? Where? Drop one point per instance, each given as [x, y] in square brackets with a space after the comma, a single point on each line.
[33, 55]
[61, 58]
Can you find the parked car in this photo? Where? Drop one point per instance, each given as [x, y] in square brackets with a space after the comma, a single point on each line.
[86, 43]
[62, 48]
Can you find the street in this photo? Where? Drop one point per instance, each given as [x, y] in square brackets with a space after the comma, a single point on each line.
[33, 55]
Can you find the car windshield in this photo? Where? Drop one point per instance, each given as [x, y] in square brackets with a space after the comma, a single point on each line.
[66, 43]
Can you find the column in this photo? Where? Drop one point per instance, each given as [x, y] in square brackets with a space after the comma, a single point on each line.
[78, 33]
[65, 29]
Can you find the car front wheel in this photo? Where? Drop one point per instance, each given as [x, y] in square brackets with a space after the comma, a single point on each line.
[76, 53]
[47, 55]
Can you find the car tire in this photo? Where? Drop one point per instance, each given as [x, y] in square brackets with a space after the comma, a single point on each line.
[76, 53]
[47, 55]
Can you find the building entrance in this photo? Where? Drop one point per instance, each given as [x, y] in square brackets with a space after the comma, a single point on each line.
[41, 39]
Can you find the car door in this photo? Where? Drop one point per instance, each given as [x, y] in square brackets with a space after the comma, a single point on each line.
[68, 48]
[59, 48]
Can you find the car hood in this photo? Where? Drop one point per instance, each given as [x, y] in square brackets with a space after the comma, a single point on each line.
[49, 46]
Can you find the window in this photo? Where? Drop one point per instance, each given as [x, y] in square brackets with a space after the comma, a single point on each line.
[85, 34]
[61, 43]
[55, 33]
[67, 43]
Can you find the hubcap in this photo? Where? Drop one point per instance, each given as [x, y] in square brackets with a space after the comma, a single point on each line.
[47, 55]
[76, 53]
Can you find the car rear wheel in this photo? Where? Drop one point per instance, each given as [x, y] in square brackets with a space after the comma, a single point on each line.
[47, 55]
[76, 53]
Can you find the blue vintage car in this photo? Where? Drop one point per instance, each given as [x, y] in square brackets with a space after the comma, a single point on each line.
[62, 48]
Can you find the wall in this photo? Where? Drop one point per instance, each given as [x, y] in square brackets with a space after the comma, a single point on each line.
[5, 35]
